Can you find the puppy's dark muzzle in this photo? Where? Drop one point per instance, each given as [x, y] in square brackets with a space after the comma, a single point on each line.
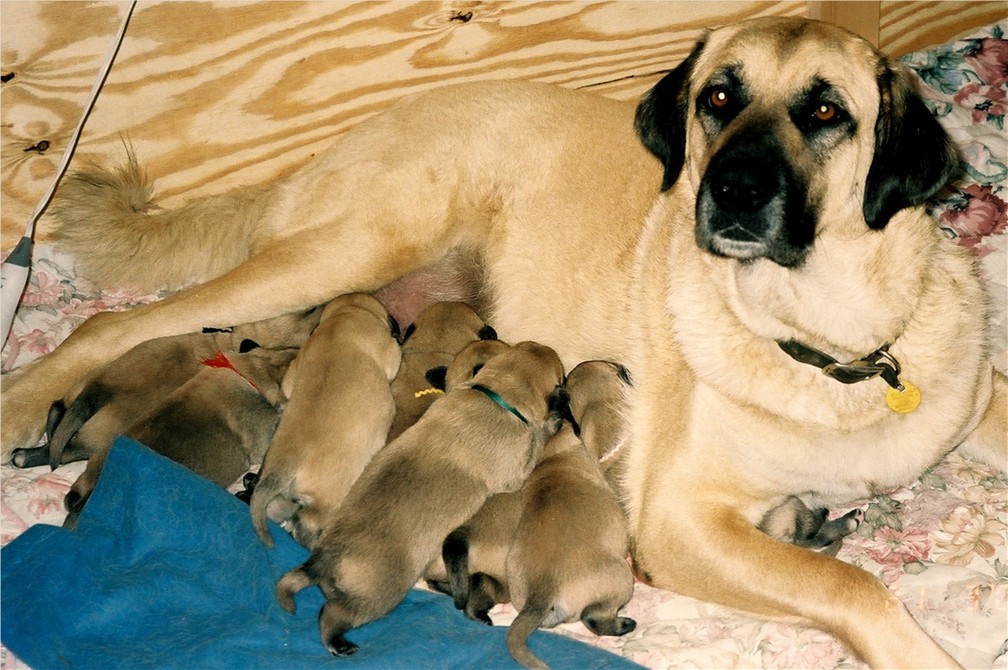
[751, 204]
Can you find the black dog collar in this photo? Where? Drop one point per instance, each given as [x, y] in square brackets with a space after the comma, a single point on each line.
[878, 363]
[499, 400]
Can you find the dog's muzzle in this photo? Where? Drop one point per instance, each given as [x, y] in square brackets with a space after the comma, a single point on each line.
[752, 204]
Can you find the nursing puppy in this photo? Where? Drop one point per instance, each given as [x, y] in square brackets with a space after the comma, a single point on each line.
[481, 438]
[598, 411]
[476, 554]
[769, 191]
[431, 341]
[460, 371]
[569, 557]
[86, 420]
[337, 418]
[217, 424]
[794, 522]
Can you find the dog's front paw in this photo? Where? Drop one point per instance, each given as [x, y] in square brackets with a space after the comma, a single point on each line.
[24, 412]
[20, 429]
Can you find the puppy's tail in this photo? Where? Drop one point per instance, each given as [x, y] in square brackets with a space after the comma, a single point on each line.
[292, 582]
[532, 615]
[455, 554]
[265, 491]
[119, 238]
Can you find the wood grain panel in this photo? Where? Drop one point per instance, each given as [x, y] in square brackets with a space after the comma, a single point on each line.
[859, 17]
[212, 95]
[911, 26]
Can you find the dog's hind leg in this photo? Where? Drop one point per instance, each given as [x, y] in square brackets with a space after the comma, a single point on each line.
[484, 593]
[712, 552]
[80, 490]
[455, 554]
[334, 622]
[63, 425]
[988, 442]
[601, 618]
[289, 585]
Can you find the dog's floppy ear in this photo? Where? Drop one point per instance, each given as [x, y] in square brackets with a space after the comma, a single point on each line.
[410, 329]
[624, 374]
[393, 326]
[487, 332]
[558, 402]
[913, 156]
[436, 377]
[661, 118]
[247, 345]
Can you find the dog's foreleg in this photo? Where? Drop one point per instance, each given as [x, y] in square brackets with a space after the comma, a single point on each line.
[713, 553]
[988, 442]
[293, 274]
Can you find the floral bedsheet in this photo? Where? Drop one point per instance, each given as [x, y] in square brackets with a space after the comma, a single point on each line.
[939, 543]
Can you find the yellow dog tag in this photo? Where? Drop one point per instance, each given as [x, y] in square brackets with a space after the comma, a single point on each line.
[903, 402]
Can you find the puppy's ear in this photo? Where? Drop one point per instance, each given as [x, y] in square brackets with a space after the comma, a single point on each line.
[569, 417]
[661, 118]
[247, 345]
[913, 156]
[436, 377]
[393, 326]
[487, 332]
[558, 402]
[624, 375]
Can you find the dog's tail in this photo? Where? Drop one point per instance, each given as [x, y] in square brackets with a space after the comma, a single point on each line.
[532, 615]
[455, 554]
[266, 490]
[106, 220]
[292, 582]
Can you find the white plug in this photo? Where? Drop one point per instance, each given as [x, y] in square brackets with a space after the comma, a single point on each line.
[13, 279]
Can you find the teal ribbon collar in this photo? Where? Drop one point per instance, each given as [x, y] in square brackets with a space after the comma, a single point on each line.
[499, 400]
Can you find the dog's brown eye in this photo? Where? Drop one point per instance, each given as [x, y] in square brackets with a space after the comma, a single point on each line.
[825, 111]
[719, 98]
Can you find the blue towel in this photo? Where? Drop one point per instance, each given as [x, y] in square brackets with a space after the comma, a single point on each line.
[164, 570]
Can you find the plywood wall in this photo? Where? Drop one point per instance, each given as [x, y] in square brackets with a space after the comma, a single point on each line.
[212, 95]
[216, 94]
[909, 26]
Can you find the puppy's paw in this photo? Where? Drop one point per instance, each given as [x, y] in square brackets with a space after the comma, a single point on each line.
[30, 458]
[340, 646]
[619, 625]
[74, 501]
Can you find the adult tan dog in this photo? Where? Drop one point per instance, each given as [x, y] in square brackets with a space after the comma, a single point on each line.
[784, 205]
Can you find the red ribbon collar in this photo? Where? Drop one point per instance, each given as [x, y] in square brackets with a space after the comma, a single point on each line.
[220, 360]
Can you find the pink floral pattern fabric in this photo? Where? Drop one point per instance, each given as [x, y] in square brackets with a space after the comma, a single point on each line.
[939, 544]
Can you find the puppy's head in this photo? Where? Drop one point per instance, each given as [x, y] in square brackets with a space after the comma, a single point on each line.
[530, 377]
[358, 301]
[289, 330]
[597, 392]
[448, 327]
[467, 363]
[265, 368]
[784, 128]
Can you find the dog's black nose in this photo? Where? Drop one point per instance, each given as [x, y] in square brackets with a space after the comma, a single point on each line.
[753, 204]
[743, 185]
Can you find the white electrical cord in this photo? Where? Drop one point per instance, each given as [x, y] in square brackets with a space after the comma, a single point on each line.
[14, 270]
